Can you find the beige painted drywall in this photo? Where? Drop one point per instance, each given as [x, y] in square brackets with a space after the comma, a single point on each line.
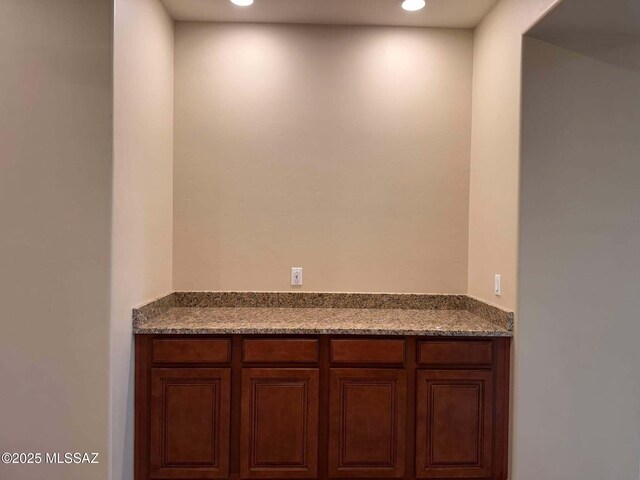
[577, 387]
[493, 205]
[142, 233]
[55, 215]
[342, 150]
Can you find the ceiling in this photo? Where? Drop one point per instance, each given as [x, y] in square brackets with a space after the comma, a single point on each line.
[590, 18]
[606, 30]
[437, 13]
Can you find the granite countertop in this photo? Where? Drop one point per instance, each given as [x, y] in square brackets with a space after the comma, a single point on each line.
[260, 313]
[362, 321]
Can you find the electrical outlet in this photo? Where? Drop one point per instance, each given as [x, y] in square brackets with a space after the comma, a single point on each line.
[296, 276]
[497, 285]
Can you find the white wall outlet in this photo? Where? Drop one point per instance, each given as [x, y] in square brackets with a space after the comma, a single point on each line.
[497, 285]
[296, 276]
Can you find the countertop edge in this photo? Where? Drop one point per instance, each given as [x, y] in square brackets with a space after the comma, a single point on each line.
[311, 331]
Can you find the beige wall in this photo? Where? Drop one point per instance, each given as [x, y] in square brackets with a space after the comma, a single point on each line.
[495, 160]
[342, 150]
[577, 389]
[493, 206]
[55, 213]
[142, 194]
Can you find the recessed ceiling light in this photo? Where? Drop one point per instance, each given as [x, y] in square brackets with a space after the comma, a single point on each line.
[242, 3]
[412, 5]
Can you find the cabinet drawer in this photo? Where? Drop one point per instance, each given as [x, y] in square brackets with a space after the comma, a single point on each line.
[283, 350]
[456, 353]
[192, 350]
[367, 351]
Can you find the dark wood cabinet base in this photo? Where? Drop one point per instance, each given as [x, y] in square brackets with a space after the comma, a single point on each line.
[321, 407]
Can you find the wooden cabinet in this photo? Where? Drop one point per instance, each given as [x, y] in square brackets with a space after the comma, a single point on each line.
[367, 423]
[454, 424]
[321, 407]
[372, 352]
[279, 423]
[190, 422]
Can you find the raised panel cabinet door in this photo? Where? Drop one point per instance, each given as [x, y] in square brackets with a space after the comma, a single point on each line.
[367, 416]
[190, 410]
[454, 424]
[279, 423]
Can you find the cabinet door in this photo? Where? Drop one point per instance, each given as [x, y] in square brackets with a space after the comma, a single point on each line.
[279, 431]
[454, 424]
[190, 422]
[367, 414]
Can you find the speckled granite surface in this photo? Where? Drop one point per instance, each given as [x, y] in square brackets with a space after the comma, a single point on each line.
[226, 320]
[492, 313]
[321, 313]
[154, 308]
[321, 300]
